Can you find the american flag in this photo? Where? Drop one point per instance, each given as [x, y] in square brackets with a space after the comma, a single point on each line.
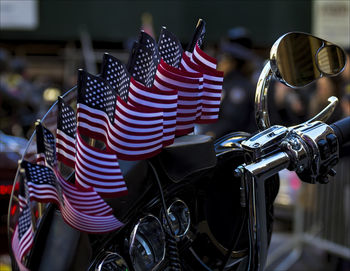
[199, 61]
[166, 100]
[45, 143]
[65, 135]
[170, 48]
[98, 169]
[203, 59]
[151, 44]
[139, 131]
[85, 200]
[96, 106]
[41, 182]
[116, 74]
[189, 86]
[133, 133]
[16, 248]
[23, 237]
[142, 64]
[46, 182]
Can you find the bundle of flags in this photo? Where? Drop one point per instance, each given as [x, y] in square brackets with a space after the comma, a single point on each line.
[134, 111]
[162, 92]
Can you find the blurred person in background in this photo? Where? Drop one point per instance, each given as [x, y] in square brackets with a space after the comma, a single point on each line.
[288, 106]
[238, 62]
[20, 98]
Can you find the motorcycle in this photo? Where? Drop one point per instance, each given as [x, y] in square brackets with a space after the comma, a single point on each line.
[200, 204]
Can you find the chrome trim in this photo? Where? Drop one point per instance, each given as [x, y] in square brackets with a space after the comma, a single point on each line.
[134, 232]
[203, 227]
[189, 219]
[261, 104]
[99, 267]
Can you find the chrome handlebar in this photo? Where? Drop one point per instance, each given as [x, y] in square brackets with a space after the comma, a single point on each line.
[310, 149]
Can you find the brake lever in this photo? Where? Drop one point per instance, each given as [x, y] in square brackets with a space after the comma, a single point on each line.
[325, 114]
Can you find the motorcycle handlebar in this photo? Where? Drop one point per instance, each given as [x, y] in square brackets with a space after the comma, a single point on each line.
[342, 130]
[269, 166]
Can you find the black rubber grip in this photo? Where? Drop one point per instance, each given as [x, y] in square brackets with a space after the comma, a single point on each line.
[342, 130]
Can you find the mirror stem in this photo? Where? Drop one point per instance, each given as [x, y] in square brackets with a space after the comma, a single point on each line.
[261, 105]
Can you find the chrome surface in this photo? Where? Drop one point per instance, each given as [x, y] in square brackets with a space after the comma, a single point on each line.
[327, 111]
[265, 142]
[298, 152]
[111, 261]
[311, 134]
[297, 59]
[268, 166]
[261, 105]
[147, 244]
[230, 142]
[180, 218]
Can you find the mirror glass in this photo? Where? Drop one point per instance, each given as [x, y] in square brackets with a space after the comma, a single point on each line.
[330, 60]
[299, 59]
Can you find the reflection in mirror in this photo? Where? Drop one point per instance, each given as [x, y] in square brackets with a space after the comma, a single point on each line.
[330, 60]
[298, 59]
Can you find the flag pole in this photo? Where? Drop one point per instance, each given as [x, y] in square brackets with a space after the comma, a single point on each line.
[40, 205]
[199, 28]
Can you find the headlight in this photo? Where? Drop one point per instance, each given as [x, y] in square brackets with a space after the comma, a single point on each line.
[147, 244]
[180, 219]
[112, 261]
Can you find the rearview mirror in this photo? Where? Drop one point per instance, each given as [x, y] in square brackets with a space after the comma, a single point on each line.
[297, 59]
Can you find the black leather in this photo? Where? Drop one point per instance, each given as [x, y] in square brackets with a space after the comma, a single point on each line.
[135, 174]
[187, 155]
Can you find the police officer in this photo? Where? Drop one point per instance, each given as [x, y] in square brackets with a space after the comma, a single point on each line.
[237, 106]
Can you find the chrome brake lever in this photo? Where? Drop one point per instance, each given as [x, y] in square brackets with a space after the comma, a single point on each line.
[326, 112]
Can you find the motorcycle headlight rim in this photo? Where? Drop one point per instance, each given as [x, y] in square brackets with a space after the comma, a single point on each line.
[174, 202]
[106, 255]
[133, 238]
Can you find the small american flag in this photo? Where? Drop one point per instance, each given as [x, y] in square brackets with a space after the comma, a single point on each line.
[116, 74]
[41, 182]
[46, 182]
[85, 200]
[142, 64]
[98, 169]
[23, 237]
[139, 131]
[212, 83]
[170, 48]
[166, 100]
[45, 143]
[65, 135]
[203, 59]
[189, 86]
[151, 44]
[96, 106]
[132, 133]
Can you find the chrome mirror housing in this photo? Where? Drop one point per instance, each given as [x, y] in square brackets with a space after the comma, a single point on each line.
[296, 59]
